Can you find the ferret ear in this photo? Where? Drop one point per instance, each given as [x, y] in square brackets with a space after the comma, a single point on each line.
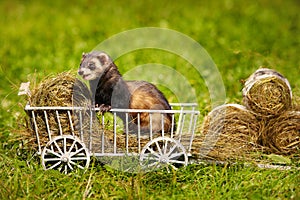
[83, 57]
[104, 59]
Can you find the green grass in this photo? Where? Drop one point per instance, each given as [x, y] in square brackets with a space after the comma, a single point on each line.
[43, 37]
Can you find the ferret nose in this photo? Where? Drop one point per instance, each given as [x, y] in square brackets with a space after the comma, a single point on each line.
[80, 72]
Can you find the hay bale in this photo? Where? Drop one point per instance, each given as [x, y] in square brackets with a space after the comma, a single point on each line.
[267, 93]
[282, 134]
[63, 90]
[229, 132]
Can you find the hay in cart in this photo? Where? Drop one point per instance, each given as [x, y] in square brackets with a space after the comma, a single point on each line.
[62, 90]
[267, 93]
[229, 132]
[114, 131]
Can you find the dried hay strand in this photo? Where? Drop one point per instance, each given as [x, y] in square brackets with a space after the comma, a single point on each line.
[63, 90]
[296, 102]
[229, 132]
[267, 93]
[296, 107]
[282, 134]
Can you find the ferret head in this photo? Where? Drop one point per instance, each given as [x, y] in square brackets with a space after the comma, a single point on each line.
[94, 64]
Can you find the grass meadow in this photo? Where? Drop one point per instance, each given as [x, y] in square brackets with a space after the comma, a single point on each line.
[39, 38]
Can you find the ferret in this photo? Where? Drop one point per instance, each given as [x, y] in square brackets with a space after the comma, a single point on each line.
[111, 91]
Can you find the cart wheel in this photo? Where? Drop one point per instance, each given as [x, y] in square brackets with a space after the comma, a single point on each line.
[163, 152]
[65, 153]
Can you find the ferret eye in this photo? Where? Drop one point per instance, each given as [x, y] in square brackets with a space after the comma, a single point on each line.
[92, 66]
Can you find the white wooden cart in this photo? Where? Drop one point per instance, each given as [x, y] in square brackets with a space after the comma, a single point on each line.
[89, 136]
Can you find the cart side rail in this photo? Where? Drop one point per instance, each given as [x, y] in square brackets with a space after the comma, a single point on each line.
[92, 131]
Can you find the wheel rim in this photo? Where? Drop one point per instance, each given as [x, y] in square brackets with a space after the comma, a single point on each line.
[163, 152]
[65, 153]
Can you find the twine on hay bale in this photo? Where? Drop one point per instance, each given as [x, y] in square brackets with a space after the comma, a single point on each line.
[229, 132]
[267, 93]
[62, 90]
[282, 134]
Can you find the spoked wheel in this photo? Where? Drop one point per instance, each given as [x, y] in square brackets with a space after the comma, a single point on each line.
[65, 153]
[163, 152]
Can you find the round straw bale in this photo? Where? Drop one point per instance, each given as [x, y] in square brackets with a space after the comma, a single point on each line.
[229, 131]
[267, 93]
[282, 134]
[63, 90]
[60, 90]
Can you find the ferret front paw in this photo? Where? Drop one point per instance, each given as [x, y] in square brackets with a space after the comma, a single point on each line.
[104, 108]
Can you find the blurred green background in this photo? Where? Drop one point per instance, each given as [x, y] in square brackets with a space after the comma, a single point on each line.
[38, 38]
[50, 36]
